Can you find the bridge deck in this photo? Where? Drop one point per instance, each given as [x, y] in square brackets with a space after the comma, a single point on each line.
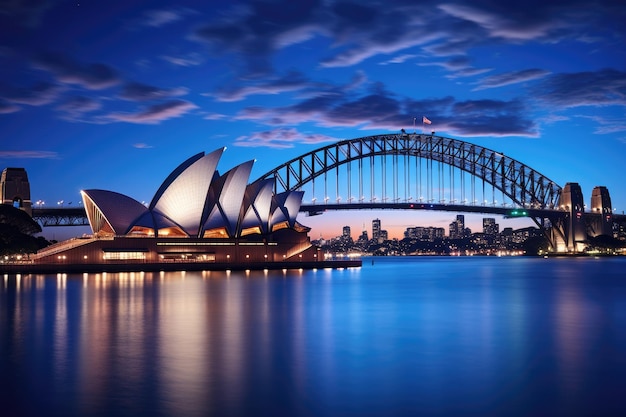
[77, 216]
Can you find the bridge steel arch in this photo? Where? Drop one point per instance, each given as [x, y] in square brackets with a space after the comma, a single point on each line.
[524, 186]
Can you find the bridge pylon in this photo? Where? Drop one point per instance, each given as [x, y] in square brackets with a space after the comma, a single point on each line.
[569, 233]
[601, 223]
[16, 189]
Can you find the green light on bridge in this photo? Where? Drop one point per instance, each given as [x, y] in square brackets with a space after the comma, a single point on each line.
[518, 213]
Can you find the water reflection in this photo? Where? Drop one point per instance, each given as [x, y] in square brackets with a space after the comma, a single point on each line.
[401, 337]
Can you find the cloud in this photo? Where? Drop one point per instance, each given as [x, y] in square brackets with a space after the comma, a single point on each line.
[188, 60]
[607, 125]
[593, 88]
[142, 146]
[154, 114]
[281, 138]
[91, 76]
[522, 24]
[27, 13]
[458, 65]
[253, 32]
[215, 116]
[549, 21]
[6, 108]
[75, 107]
[400, 59]
[292, 81]
[360, 30]
[508, 78]
[490, 118]
[161, 17]
[143, 92]
[28, 155]
[37, 95]
[379, 109]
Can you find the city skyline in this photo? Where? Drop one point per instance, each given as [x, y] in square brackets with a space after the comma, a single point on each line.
[112, 96]
[489, 226]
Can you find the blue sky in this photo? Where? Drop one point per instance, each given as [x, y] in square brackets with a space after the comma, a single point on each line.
[116, 94]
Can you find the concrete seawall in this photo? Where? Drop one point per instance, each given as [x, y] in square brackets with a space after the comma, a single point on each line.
[26, 268]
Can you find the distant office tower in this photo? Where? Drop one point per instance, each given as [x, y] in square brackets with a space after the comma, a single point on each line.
[457, 227]
[363, 238]
[436, 233]
[375, 229]
[490, 227]
[425, 233]
[346, 232]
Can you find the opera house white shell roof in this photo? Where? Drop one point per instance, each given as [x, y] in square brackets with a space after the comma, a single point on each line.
[196, 201]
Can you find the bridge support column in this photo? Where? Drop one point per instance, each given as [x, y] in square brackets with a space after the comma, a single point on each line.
[602, 221]
[16, 189]
[571, 233]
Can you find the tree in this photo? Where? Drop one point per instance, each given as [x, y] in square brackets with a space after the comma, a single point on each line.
[605, 243]
[16, 232]
[536, 244]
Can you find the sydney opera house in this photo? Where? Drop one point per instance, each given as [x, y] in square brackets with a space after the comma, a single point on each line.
[199, 218]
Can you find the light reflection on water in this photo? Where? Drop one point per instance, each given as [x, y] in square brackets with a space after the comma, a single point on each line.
[403, 336]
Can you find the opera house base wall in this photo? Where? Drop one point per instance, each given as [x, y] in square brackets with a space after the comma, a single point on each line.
[285, 249]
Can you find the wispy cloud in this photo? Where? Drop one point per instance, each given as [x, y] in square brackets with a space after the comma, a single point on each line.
[95, 76]
[598, 88]
[522, 24]
[607, 125]
[508, 78]
[74, 108]
[36, 95]
[28, 155]
[142, 146]
[292, 81]
[156, 18]
[143, 92]
[362, 30]
[379, 109]
[24, 12]
[281, 138]
[188, 60]
[154, 114]
[400, 59]
[6, 108]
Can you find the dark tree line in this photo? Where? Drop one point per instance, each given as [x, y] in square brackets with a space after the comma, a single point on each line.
[16, 232]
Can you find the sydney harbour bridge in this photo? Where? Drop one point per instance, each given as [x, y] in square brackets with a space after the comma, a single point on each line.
[411, 171]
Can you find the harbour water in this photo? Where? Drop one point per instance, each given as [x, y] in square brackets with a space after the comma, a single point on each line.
[407, 336]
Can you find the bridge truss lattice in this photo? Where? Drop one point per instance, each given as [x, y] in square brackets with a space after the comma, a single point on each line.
[405, 167]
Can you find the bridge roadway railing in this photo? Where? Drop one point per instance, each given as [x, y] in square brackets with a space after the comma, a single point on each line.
[319, 208]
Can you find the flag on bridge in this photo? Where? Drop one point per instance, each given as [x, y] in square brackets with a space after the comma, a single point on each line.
[425, 120]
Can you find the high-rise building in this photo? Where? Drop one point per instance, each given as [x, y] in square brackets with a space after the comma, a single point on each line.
[346, 232]
[457, 227]
[490, 227]
[424, 233]
[376, 229]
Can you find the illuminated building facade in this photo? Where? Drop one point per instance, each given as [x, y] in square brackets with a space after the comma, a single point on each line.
[196, 216]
